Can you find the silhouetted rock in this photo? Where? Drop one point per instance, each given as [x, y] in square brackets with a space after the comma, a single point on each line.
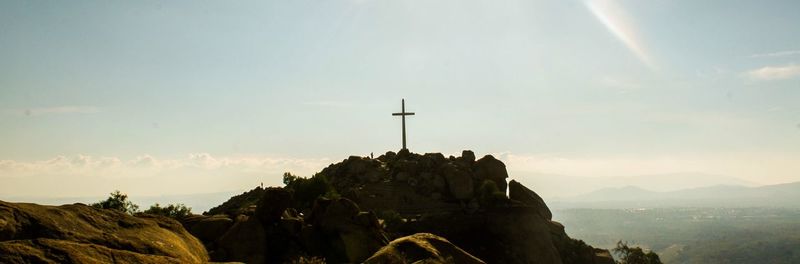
[422, 248]
[497, 235]
[272, 204]
[245, 241]
[468, 156]
[348, 235]
[459, 182]
[461, 199]
[489, 168]
[517, 191]
[207, 228]
[239, 204]
[77, 233]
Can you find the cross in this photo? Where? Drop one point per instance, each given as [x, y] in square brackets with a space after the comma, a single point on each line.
[403, 113]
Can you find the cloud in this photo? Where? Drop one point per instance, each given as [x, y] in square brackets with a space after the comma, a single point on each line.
[82, 175]
[776, 54]
[770, 73]
[88, 165]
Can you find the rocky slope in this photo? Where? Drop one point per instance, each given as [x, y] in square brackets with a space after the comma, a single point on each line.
[77, 233]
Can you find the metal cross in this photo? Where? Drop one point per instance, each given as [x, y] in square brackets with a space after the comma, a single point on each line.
[403, 114]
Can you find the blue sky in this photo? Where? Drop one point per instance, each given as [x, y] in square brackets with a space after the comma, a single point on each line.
[99, 95]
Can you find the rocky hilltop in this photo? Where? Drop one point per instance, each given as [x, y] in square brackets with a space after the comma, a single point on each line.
[398, 208]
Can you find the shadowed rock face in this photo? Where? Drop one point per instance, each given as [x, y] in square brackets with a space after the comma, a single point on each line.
[335, 229]
[82, 234]
[422, 248]
[518, 192]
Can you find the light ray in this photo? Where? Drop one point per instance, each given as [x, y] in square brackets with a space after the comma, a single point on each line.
[615, 20]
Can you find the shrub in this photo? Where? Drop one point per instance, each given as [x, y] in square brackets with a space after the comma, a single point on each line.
[307, 190]
[635, 255]
[118, 201]
[308, 260]
[489, 194]
[392, 220]
[176, 211]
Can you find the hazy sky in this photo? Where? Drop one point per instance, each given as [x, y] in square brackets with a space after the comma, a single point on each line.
[156, 97]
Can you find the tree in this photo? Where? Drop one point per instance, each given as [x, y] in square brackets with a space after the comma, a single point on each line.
[307, 190]
[176, 211]
[118, 201]
[635, 255]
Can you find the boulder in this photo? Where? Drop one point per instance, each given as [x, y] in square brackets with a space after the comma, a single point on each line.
[468, 156]
[343, 232]
[77, 233]
[497, 235]
[207, 228]
[422, 248]
[489, 168]
[273, 203]
[245, 241]
[459, 182]
[518, 192]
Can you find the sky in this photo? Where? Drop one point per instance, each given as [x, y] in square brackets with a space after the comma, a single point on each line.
[180, 97]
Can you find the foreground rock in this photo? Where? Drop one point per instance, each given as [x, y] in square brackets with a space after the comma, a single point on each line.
[422, 248]
[77, 233]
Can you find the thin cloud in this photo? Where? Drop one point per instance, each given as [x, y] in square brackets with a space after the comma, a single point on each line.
[88, 165]
[770, 73]
[776, 54]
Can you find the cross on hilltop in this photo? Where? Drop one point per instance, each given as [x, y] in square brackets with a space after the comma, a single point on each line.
[403, 114]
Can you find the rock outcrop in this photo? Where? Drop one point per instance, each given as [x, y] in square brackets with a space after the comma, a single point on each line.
[463, 200]
[421, 198]
[77, 233]
[422, 248]
[274, 232]
[518, 192]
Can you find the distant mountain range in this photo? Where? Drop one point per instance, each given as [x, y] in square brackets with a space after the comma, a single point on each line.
[553, 186]
[779, 195]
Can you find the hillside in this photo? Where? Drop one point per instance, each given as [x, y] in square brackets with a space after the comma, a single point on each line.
[694, 235]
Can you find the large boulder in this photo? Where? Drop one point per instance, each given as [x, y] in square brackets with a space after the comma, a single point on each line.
[468, 156]
[518, 192]
[489, 168]
[207, 228]
[459, 182]
[342, 232]
[422, 248]
[498, 235]
[77, 233]
[245, 241]
[273, 202]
